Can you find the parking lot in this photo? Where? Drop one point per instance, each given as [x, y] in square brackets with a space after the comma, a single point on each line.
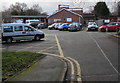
[48, 44]
[96, 52]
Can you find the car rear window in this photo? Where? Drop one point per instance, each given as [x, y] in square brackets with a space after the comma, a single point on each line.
[8, 29]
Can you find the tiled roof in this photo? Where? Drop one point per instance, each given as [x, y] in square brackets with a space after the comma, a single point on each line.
[66, 10]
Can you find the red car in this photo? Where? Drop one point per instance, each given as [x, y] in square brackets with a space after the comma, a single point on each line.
[113, 26]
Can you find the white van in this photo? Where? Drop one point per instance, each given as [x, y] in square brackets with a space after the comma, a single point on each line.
[31, 21]
[19, 31]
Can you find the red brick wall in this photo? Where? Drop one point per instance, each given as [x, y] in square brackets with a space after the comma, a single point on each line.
[65, 14]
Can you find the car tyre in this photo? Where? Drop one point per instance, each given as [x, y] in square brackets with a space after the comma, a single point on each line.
[37, 37]
[103, 30]
[9, 40]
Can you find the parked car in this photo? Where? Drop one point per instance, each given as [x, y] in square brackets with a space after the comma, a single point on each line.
[19, 31]
[113, 26]
[92, 26]
[42, 25]
[57, 25]
[51, 27]
[75, 27]
[64, 26]
[32, 21]
[34, 24]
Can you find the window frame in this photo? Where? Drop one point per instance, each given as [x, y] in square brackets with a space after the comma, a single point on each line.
[8, 31]
[32, 29]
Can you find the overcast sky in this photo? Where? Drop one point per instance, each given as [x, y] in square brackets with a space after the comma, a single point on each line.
[50, 6]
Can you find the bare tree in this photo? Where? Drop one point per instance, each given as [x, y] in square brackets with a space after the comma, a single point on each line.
[119, 8]
[18, 7]
[6, 16]
[36, 7]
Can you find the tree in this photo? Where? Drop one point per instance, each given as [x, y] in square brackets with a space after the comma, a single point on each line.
[101, 9]
[18, 8]
[21, 9]
[116, 7]
[34, 10]
[119, 8]
[6, 16]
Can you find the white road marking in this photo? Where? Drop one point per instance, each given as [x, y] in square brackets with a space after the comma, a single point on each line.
[104, 54]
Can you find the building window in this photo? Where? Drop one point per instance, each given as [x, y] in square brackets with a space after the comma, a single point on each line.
[69, 19]
[57, 20]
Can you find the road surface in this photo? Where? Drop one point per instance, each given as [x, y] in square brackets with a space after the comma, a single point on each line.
[96, 52]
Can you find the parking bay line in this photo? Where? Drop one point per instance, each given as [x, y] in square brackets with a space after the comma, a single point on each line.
[59, 47]
[35, 45]
[47, 48]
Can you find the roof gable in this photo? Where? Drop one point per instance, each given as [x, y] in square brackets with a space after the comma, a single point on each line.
[67, 11]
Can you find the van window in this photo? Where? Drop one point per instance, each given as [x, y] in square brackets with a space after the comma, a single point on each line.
[27, 28]
[18, 28]
[8, 29]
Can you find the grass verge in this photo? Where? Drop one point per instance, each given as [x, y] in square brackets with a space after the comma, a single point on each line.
[13, 62]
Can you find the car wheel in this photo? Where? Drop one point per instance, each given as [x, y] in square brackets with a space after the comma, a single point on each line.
[9, 40]
[37, 37]
[103, 30]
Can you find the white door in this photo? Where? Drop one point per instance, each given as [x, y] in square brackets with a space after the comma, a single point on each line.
[29, 31]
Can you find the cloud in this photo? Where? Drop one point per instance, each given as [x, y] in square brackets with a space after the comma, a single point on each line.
[50, 6]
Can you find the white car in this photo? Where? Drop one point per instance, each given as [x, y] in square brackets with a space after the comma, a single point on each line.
[92, 26]
[19, 31]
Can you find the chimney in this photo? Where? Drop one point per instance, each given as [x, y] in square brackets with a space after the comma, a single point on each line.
[59, 7]
[63, 6]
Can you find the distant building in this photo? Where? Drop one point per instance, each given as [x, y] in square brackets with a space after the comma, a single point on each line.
[42, 18]
[64, 14]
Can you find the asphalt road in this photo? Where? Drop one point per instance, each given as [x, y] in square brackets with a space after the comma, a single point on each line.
[96, 52]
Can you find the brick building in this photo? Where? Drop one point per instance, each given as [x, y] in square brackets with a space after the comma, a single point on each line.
[64, 14]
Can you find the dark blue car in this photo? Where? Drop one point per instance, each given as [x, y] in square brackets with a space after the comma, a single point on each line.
[75, 27]
[64, 26]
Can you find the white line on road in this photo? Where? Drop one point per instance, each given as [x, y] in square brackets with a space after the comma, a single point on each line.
[104, 54]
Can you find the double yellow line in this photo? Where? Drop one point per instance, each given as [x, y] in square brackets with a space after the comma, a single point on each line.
[71, 63]
[68, 59]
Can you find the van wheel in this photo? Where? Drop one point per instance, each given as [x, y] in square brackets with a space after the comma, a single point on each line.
[9, 40]
[37, 38]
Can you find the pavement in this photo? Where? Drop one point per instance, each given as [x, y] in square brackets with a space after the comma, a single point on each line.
[49, 68]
